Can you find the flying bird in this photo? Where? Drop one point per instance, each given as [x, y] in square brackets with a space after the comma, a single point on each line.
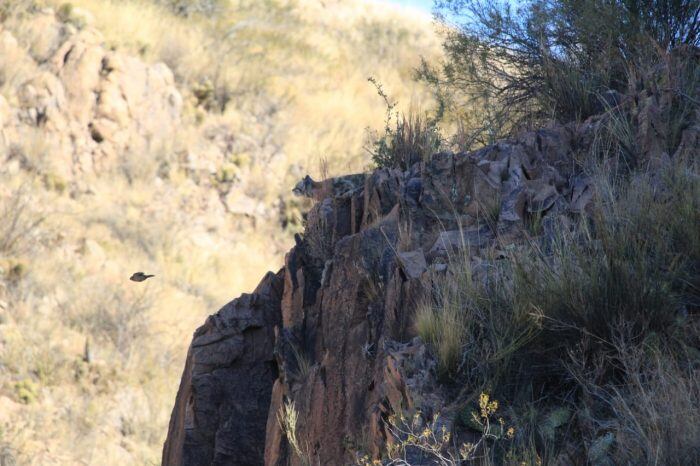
[139, 277]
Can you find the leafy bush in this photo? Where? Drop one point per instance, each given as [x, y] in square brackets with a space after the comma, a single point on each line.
[413, 139]
[552, 58]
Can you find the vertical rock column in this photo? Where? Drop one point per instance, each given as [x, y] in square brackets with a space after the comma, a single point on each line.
[222, 404]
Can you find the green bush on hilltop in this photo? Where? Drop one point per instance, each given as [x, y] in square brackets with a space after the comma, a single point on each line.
[552, 58]
[406, 139]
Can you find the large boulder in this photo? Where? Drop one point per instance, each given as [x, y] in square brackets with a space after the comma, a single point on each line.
[220, 413]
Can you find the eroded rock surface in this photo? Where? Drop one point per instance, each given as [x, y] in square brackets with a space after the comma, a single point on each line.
[221, 408]
[343, 349]
[345, 353]
[91, 104]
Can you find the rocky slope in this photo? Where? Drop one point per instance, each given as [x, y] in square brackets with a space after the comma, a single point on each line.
[133, 137]
[331, 331]
[347, 316]
[90, 103]
[100, 111]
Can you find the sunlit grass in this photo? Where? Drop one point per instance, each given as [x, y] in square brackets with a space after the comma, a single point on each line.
[89, 361]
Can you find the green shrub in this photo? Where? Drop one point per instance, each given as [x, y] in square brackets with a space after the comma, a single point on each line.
[406, 140]
[64, 11]
[55, 182]
[574, 315]
[413, 139]
[552, 58]
[27, 391]
[69, 14]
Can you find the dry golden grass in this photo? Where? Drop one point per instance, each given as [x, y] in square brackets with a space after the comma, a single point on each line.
[71, 284]
[89, 361]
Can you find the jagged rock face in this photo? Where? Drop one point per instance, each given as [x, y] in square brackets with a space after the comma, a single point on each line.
[221, 408]
[349, 322]
[91, 104]
[345, 353]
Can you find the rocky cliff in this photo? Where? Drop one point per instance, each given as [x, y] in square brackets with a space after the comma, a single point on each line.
[332, 331]
[133, 137]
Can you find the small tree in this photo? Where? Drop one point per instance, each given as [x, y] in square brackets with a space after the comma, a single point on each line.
[553, 58]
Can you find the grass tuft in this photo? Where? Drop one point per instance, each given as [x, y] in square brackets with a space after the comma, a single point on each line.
[602, 314]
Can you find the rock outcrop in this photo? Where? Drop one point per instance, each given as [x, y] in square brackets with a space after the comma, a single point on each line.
[345, 353]
[339, 314]
[221, 413]
[91, 104]
[74, 108]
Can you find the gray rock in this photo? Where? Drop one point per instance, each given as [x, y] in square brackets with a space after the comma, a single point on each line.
[413, 263]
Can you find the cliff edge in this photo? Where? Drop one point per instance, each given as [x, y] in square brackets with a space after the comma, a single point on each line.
[331, 334]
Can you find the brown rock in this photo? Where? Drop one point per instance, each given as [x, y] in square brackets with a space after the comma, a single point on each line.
[221, 407]
[346, 353]
[90, 104]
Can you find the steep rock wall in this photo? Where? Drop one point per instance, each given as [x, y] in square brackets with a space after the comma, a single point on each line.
[339, 314]
[345, 353]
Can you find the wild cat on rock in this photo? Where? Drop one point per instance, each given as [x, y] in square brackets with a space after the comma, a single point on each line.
[318, 190]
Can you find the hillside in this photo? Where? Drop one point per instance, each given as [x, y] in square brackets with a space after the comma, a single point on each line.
[136, 138]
